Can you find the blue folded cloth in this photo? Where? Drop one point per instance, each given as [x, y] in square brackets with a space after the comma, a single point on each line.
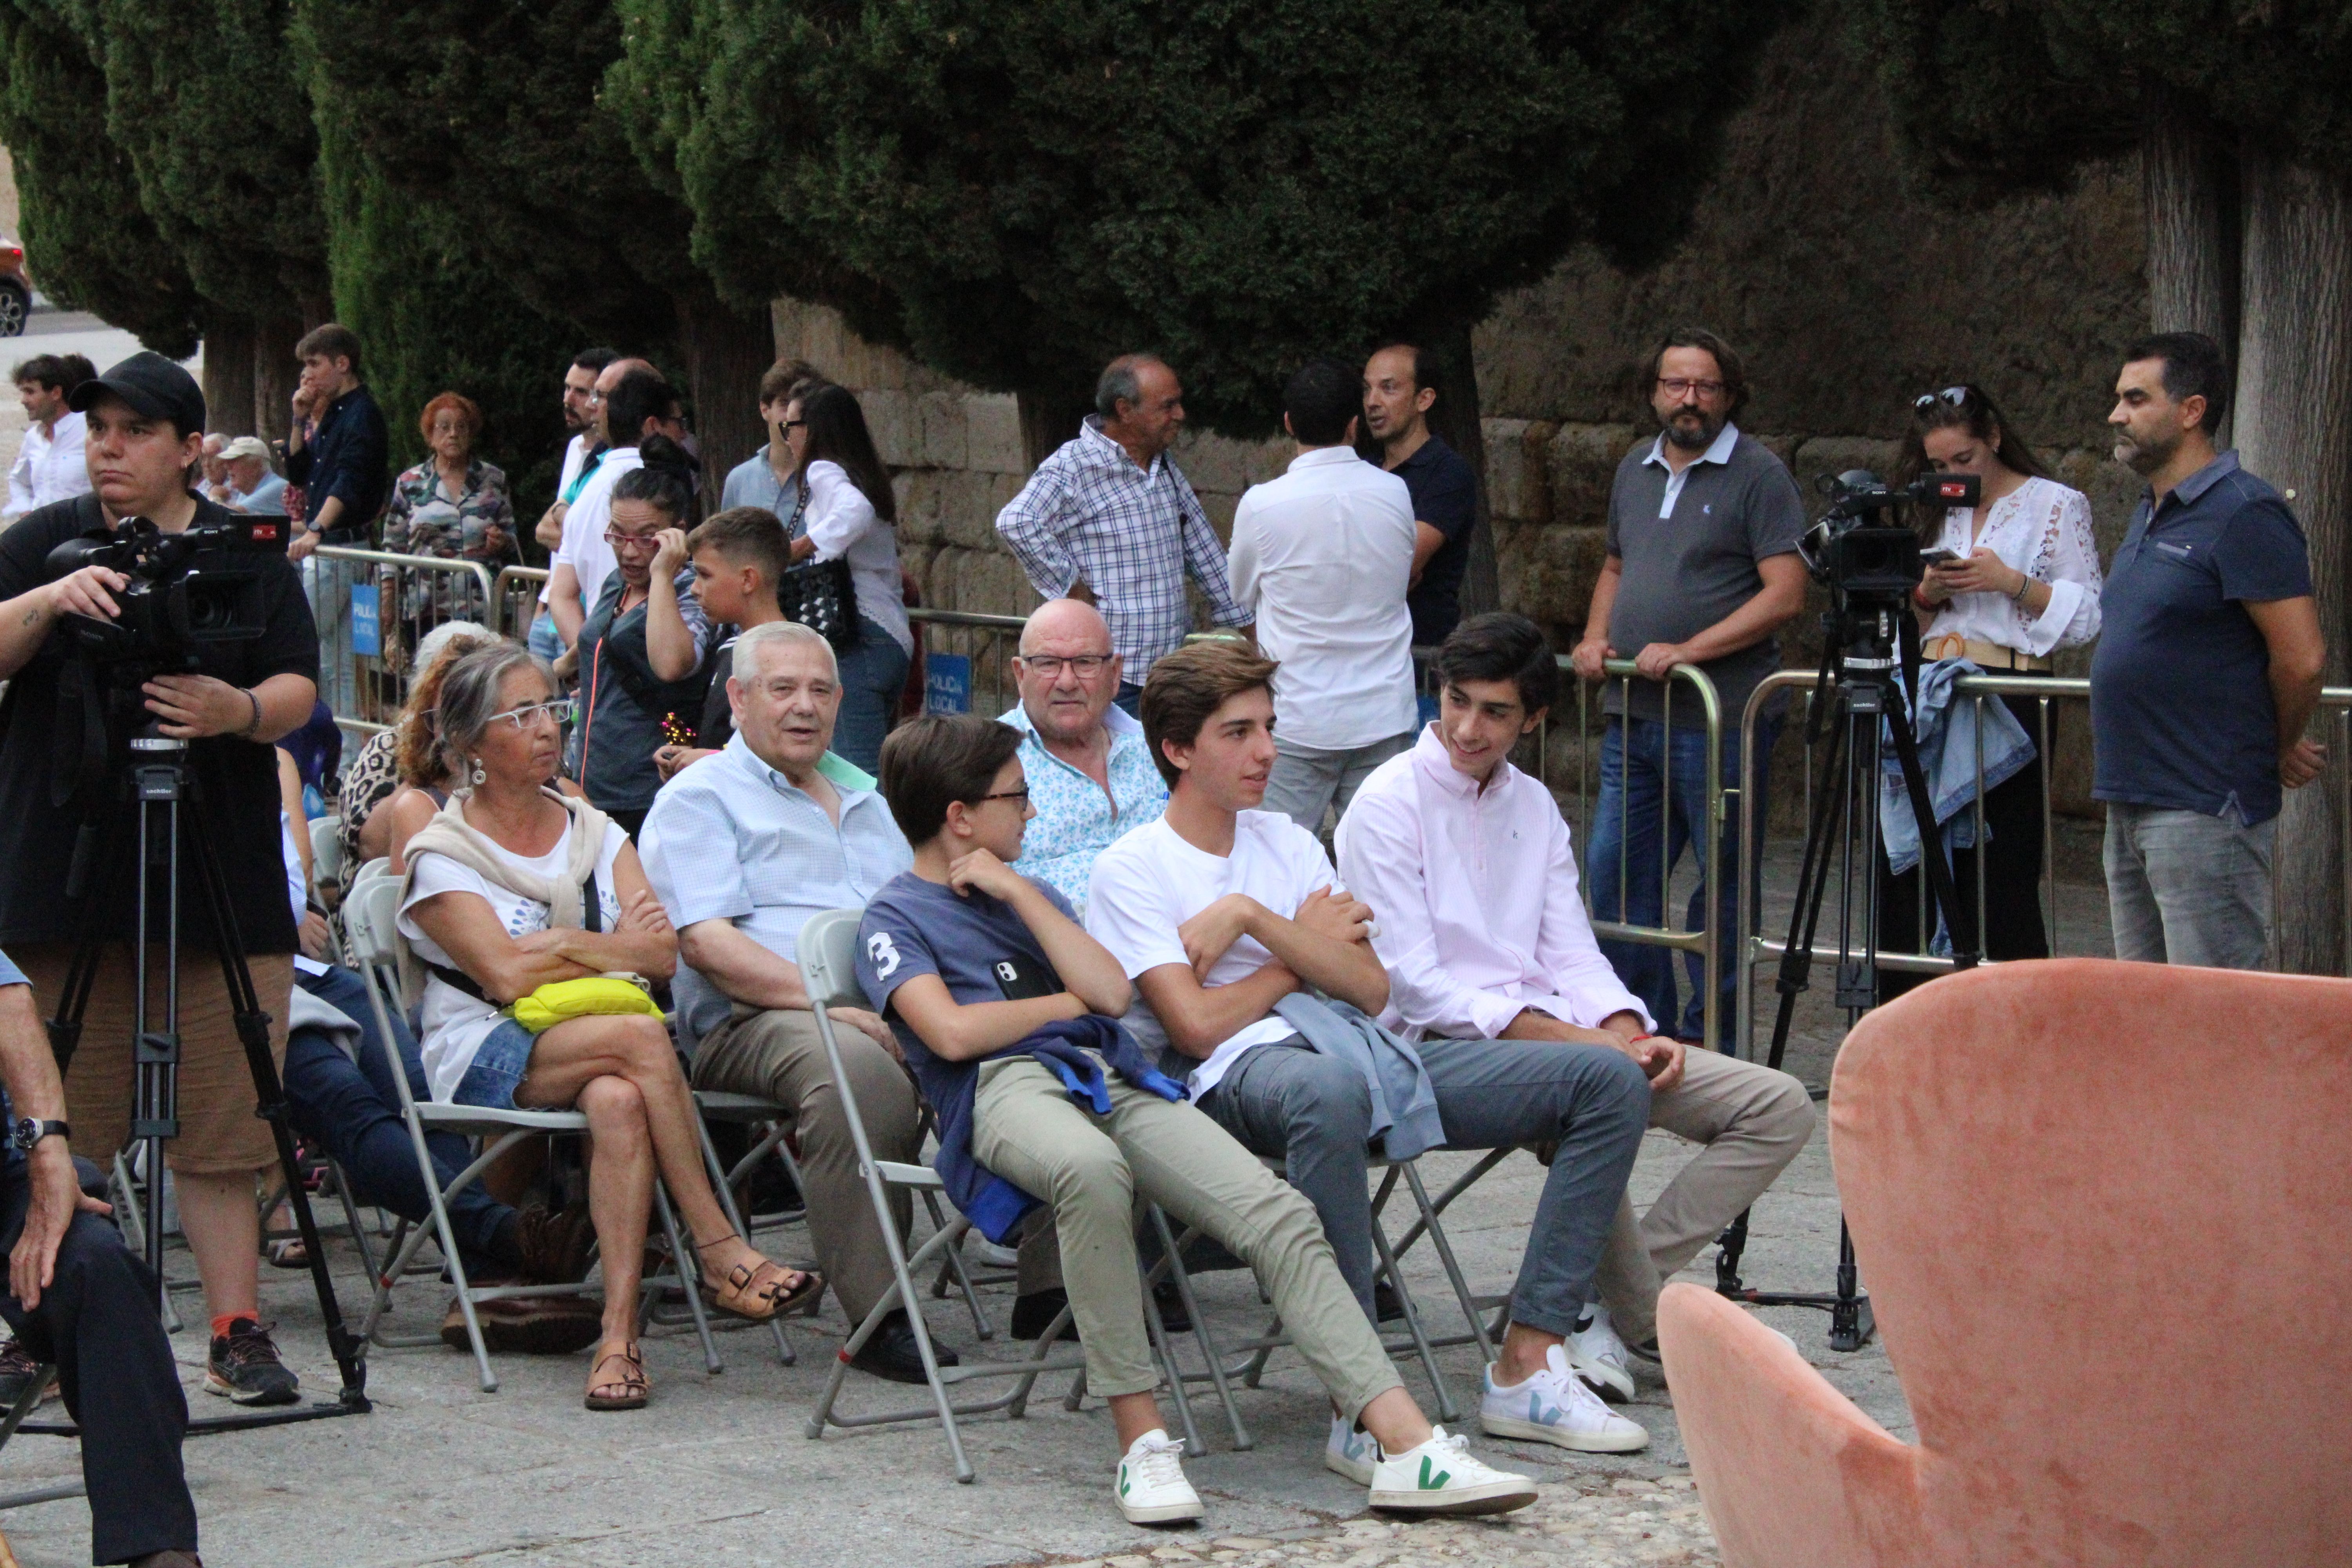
[1405, 1103]
[1949, 733]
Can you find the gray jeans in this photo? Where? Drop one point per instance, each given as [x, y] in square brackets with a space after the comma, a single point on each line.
[1288, 1100]
[2186, 888]
[1305, 781]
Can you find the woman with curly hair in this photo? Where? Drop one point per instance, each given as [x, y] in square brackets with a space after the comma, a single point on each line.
[403, 755]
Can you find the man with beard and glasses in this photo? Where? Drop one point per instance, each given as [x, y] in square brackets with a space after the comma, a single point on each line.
[1702, 570]
[2209, 668]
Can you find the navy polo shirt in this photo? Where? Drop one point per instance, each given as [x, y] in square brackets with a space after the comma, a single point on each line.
[2181, 715]
[1445, 496]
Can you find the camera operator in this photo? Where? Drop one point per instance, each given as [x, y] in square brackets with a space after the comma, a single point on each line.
[146, 419]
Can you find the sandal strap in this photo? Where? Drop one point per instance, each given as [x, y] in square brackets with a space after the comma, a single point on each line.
[703, 1246]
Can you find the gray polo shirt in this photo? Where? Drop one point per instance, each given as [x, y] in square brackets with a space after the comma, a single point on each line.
[753, 482]
[1690, 543]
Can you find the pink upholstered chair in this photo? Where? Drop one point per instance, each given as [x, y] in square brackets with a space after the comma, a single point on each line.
[2104, 1215]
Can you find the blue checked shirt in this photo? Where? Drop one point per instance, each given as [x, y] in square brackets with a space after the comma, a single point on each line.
[1076, 820]
[731, 838]
[1133, 534]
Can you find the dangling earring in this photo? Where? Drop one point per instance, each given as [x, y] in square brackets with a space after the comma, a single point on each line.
[479, 776]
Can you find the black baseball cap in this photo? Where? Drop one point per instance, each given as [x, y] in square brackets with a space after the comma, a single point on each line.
[151, 385]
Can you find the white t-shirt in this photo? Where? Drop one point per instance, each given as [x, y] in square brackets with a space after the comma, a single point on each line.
[455, 1024]
[1149, 883]
[583, 545]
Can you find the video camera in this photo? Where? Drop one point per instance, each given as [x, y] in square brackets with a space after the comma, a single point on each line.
[1862, 560]
[187, 589]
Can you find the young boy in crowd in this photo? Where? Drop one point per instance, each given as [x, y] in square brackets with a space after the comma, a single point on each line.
[739, 556]
[1006, 1010]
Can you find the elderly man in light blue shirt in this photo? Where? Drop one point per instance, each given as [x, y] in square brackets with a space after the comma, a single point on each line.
[1090, 772]
[742, 848]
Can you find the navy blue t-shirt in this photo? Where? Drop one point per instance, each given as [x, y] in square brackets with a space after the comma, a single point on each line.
[2181, 715]
[1445, 496]
[978, 945]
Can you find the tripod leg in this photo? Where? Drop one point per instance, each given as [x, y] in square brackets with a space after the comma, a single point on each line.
[1931, 851]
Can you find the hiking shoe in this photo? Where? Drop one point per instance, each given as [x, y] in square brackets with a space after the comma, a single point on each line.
[1442, 1476]
[530, 1325]
[1151, 1485]
[1598, 1357]
[552, 1246]
[1352, 1452]
[891, 1352]
[17, 1370]
[244, 1367]
[1554, 1406]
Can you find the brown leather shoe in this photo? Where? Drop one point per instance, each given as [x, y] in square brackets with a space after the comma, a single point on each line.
[532, 1325]
[554, 1246]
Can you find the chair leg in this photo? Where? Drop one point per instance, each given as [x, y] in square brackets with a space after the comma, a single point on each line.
[954, 1264]
[901, 1291]
[1172, 1258]
[692, 1286]
[1446, 1408]
[1437, 1239]
[351, 1217]
[735, 1217]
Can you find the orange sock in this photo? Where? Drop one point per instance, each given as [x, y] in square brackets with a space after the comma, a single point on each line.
[221, 1320]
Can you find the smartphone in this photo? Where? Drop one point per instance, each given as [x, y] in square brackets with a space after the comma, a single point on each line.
[1019, 978]
[1937, 557]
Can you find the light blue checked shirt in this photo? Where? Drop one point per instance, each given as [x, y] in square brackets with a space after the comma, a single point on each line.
[1076, 820]
[731, 838]
[1132, 533]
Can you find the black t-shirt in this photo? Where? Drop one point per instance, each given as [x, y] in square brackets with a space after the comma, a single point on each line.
[1444, 496]
[236, 779]
[718, 717]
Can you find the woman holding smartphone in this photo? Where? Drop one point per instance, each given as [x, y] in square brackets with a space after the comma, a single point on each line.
[2008, 581]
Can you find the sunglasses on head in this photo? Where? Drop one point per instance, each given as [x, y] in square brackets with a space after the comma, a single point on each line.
[1957, 397]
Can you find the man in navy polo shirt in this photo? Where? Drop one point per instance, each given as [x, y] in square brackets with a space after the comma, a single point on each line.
[1398, 397]
[2209, 668]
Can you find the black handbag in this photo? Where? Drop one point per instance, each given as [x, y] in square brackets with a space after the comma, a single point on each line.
[820, 594]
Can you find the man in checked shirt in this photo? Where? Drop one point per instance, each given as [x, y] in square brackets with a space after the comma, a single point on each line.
[1110, 509]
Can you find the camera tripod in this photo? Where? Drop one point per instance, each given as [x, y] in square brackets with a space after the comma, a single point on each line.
[159, 783]
[1870, 664]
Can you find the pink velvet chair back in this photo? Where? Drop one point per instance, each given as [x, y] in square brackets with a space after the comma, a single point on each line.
[2104, 1215]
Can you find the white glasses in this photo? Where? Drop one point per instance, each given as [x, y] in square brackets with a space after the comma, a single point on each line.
[559, 709]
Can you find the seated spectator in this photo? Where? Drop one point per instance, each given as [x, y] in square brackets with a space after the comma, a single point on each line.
[1006, 1009]
[644, 639]
[316, 749]
[1090, 774]
[514, 888]
[742, 849]
[770, 478]
[452, 506]
[408, 755]
[1191, 905]
[738, 558]
[252, 486]
[1468, 863]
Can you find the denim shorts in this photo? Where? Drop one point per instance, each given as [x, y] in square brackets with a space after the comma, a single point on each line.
[499, 1064]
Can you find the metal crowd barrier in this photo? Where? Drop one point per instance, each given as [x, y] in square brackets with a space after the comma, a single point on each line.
[516, 595]
[371, 607]
[967, 659]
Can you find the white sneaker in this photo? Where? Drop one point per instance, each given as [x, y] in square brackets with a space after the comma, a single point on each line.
[1151, 1485]
[1442, 1476]
[1554, 1406]
[1601, 1358]
[1352, 1452]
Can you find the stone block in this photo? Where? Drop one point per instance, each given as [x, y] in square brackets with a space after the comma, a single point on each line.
[1581, 463]
[938, 430]
[1222, 463]
[992, 433]
[889, 414]
[1518, 485]
[1220, 507]
[967, 519]
[1548, 574]
[2113, 491]
[916, 492]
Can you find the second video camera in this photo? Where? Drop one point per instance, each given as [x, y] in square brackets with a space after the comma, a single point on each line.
[1856, 554]
[187, 589]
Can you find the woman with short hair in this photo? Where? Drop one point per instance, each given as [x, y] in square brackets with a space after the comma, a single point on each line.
[453, 506]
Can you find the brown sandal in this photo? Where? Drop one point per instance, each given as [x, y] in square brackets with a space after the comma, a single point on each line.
[632, 1383]
[761, 1290]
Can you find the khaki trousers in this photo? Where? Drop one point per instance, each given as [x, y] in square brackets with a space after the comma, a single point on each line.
[1751, 1121]
[219, 1133]
[777, 1054]
[1090, 1169]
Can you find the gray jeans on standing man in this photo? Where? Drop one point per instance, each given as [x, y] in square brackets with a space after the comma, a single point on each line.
[1305, 781]
[2186, 888]
[1288, 1100]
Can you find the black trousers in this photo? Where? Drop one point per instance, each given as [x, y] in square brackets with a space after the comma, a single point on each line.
[2012, 873]
[97, 1321]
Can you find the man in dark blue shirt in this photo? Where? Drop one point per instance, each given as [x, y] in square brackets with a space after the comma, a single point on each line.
[338, 449]
[2207, 669]
[1397, 401]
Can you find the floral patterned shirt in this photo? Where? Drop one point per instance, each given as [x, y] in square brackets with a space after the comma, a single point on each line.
[425, 519]
[1076, 820]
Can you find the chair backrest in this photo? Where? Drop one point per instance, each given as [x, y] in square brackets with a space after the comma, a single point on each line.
[326, 850]
[369, 917]
[2097, 1206]
[828, 958]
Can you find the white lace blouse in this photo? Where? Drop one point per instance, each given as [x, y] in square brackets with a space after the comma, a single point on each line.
[2043, 530]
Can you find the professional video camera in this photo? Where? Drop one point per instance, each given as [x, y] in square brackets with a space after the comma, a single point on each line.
[1866, 562]
[187, 589]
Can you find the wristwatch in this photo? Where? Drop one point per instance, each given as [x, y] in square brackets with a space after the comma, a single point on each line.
[24, 1132]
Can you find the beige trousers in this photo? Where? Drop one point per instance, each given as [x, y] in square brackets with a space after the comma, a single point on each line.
[1090, 1169]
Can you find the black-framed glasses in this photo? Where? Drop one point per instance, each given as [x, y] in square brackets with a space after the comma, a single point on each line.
[1021, 794]
[1683, 386]
[1952, 396]
[1086, 665]
[794, 424]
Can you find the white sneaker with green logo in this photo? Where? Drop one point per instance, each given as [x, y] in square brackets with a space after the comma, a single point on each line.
[1151, 1485]
[1442, 1476]
[1555, 1406]
[1352, 1452]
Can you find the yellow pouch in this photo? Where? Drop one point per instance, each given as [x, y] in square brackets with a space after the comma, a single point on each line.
[597, 995]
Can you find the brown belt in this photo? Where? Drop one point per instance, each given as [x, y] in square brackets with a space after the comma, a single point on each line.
[1983, 654]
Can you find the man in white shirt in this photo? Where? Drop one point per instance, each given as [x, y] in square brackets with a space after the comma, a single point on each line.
[1483, 935]
[1219, 912]
[1322, 558]
[632, 402]
[49, 466]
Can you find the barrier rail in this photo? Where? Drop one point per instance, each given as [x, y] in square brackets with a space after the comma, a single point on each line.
[516, 597]
[982, 682]
[371, 607]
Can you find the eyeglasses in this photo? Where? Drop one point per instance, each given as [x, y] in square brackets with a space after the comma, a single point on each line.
[1957, 397]
[1021, 794]
[619, 541]
[559, 709]
[594, 395]
[794, 424]
[1678, 387]
[1087, 666]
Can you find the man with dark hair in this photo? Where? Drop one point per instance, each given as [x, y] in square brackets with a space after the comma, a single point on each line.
[738, 557]
[1702, 570]
[1398, 395]
[1110, 510]
[1229, 920]
[581, 456]
[631, 401]
[2207, 669]
[770, 477]
[338, 449]
[1321, 559]
[1468, 863]
[49, 466]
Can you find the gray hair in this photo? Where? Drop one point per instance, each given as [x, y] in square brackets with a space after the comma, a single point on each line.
[430, 645]
[1119, 382]
[747, 645]
[469, 695]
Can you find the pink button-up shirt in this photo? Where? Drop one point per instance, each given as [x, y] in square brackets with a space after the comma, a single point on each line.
[1475, 894]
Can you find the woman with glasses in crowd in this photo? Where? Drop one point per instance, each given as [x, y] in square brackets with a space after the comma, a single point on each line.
[510, 888]
[453, 506]
[637, 668]
[2019, 579]
[846, 512]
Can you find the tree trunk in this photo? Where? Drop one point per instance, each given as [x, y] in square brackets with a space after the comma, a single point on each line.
[1048, 418]
[2189, 183]
[727, 352]
[275, 371]
[1448, 361]
[228, 374]
[2295, 429]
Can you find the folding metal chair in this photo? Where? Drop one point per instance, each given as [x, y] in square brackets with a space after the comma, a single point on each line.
[370, 915]
[326, 851]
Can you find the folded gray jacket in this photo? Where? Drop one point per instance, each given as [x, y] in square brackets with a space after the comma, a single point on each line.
[1405, 1103]
[308, 1013]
